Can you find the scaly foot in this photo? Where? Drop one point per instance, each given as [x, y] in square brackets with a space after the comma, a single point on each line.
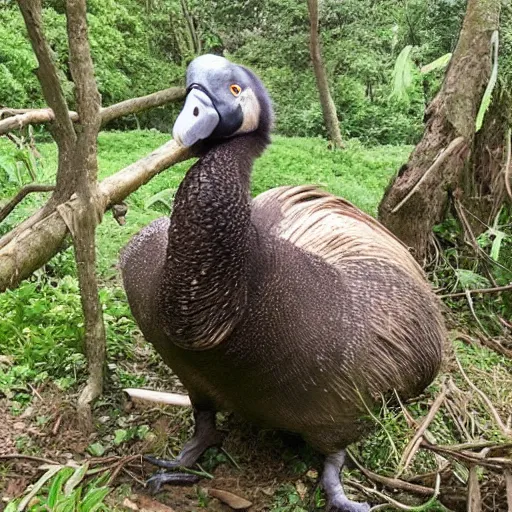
[205, 436]
[331, 482]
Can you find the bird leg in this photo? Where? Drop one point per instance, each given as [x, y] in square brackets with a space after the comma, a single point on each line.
[331, 481]
[205, 436]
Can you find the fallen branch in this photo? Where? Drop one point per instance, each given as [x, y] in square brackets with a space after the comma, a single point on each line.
[124, 108]
[391, 501]
[15, 456]
[508, 480]
[22, 193]
[30, 248]
[495, 289]
[495, 463]
[474, 495]
[415, 442]
[487, 342]
[393, 483]
[160, 397]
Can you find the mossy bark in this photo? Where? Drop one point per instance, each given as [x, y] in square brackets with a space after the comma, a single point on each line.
[417, 198]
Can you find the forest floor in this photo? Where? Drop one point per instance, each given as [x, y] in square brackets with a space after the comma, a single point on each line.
[42, 368]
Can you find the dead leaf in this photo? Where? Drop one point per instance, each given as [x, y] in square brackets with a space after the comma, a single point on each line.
[312, 474]
[147, 504]
[231, 500]
[130, 504]
[302, 490]
[15, 487]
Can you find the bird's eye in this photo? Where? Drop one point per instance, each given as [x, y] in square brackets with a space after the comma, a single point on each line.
[235, 89]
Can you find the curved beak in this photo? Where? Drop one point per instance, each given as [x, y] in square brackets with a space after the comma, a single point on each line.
[196, 121]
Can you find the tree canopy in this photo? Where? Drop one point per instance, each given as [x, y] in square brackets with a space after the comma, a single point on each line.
[141, 46]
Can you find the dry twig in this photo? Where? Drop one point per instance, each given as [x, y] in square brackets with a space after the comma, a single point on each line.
[392, 483]
[14, 456]
[495, 289]
[415, 442]
[21, 194]
[505, 430]
[449, 150]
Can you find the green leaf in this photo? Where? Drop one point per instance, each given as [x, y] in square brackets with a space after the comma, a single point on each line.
[486, 100]
[11, 507]
[96, 449]
[441, 62]
[76, 478]
[402, 73]
[93, 499]
[160, 197]
[121, 436]
[37, 486]
[471, 280]
[56, 487]
[496, 244]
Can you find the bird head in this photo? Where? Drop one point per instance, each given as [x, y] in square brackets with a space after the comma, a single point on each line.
[223, 100]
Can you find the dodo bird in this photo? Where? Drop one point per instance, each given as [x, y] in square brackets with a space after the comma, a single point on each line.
[295, 309]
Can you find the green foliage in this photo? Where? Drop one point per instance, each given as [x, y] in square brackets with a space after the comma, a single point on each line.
[140, 47]
[486, 100]
[402, 73]
[41, 324]
[462, 269]
[64, 489]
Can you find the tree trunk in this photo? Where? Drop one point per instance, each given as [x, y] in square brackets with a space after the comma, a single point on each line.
[418, 196]
[483, 180]
[85, 164]
[36, 240]
[328, 107]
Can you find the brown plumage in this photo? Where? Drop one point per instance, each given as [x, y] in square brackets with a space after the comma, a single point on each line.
[295, 310]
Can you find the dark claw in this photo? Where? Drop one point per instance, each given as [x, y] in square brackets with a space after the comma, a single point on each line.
[159, 479]
[162, 463]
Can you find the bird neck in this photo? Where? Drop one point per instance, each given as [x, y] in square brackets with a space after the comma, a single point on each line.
[204, 287]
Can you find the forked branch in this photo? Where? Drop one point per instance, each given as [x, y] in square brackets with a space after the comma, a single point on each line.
[22, 193]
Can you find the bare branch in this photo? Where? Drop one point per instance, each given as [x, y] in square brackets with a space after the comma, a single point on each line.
[157, 99]
[495, 289]
[47, 71]
[25, 117]
[38, 240]
[22, 193]
[17, 122]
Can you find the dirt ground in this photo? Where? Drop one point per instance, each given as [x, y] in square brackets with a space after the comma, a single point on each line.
[272, 470]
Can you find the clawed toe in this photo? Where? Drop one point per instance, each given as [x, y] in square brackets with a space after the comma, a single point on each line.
[162, 463]
[155, 482]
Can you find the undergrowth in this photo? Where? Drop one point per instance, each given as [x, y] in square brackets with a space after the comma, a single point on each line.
[41, 326]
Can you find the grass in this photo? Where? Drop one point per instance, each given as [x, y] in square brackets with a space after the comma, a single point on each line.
[41, 327]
